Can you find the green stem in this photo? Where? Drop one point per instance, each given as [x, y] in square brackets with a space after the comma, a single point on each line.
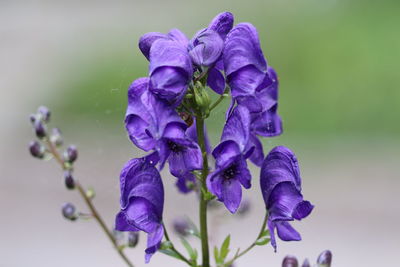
[183, 258]
[89, 203]
[203, 201]
[216, 103]
[238, 255]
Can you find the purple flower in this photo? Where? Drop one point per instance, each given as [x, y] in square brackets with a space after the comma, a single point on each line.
[231, 172]
[244, 62]
[281, 188]
[170, 70]
[183, 154]
[147, 116]
[142, 201]
[263, 106]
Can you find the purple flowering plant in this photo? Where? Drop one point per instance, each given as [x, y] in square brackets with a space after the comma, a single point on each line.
[165, 117]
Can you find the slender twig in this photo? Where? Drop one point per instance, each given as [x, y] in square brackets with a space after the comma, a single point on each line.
[203, 201]
[183, 258]
[238, 255]
[201, 76]
[89, 203]
[219, 100]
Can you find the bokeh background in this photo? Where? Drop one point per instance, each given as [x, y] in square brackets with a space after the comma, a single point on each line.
[339, 99]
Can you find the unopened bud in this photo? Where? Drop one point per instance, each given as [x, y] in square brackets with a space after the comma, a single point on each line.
[32, 118]
[44, 112]
[324, 259]
[133, 239]
[69, 211]
[37, 149]
[306, 263]
[69, 180]
[71, 154]
[40, 129]
[181, 226]
[90, 193]
[290, 261]
[56, 137]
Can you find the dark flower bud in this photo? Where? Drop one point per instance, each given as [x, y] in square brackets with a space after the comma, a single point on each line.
[244, 207]
[40, 129]
[306, 263]
[32, 118]
[37, 149]
[290, 261]
[69, 211]
[69, 180]
[56, 137]
[181, 227]
[324, 259]
[44, 113]
[133, 239]
[71, 154]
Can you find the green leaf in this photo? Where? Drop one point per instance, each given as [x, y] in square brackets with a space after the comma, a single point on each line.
[225, 248]
[166, 245]
[190, 250]
[193, 230]
[263, 241]
[216, 255]
[170, 253]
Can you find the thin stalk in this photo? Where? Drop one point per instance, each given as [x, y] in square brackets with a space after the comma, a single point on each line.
[90, 205]
[183, 258]
[219, 100]
[238, 255]
[203, 202]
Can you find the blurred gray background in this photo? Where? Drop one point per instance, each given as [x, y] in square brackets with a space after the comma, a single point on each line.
[339, 100]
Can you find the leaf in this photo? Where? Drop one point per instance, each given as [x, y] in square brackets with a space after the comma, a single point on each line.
[225, 248]
[263, 241]
[192, 230]
[190, 250]
[170, 253]
[216, 255]
[166, 245]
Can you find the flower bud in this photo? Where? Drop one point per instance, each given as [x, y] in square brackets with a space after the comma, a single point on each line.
[306, 263]
[69, 180]
[181, 227]
[40, 129]
[44, 112]
[290, 261]
[32, 118]
[133, 239]
[71, 154]
[56, 137]
[324, 259]
[69, 211]
[37, 149]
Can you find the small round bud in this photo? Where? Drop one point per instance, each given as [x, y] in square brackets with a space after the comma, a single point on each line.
[40, 129]
[37, 149]
[290, 261]
[44, 113]
[181, 226]
[56, 137]
[90, 193]
[133, 239]
[71, 154]
[306, 263]
[32, 118]
[69, 211]
[69, 180]
[324, 259]
[244, 207]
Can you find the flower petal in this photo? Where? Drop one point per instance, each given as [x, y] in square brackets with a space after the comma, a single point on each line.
[225, 152]
[222, 23]
[216, 80]
[206, 48]
[154, 242]
[147, 40]
[232, 194]
[286, 232]
[237, 127]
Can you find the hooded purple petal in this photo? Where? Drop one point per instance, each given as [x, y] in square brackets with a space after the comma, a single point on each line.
[206, 48]
[216, 80]
[244, 61]
[142, 201]
[237, 127]
[222, 23]
[147, 40]
[170, 70]
[257, 155]
[184, 180]
[147, 116]
[281, 188]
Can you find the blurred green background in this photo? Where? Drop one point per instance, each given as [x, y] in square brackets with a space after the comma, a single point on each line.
[337, 63]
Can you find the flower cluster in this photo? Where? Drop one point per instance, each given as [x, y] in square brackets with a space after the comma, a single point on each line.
[165, 117]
